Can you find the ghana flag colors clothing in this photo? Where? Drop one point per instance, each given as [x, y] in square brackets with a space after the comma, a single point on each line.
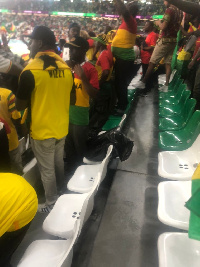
[47, 82]
[124, 40]
[193, 204]
[79, 112]
[8, 112]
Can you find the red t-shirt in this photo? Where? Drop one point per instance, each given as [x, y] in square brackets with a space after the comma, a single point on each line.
[90, 42]
[104, 62]
[150, 40]
[173, 17]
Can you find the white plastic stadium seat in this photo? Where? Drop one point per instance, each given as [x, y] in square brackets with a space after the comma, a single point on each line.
[51, 253]
[178, 250]
[85, 175]
[179, 165]
[172, 197]
[68, 208]
[31, 172]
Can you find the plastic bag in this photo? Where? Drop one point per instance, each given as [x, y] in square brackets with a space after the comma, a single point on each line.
[98, 145]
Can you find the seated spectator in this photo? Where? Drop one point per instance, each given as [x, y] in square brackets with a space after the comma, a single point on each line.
[101, 106]
[12, 117]
[18, 207]
[86, 87]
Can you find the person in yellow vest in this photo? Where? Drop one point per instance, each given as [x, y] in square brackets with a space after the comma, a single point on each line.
[122, 49]
[45, 86]
[18, 207]
[12, 117]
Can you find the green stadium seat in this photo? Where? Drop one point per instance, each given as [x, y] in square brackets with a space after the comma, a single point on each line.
[182, 139]
[175, 110]
[176, 99]
[178, 122]
[172, 93]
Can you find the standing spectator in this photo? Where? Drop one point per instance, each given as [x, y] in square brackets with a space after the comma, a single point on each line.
[86, 86]
[101, 107]
[12, 117]
[147, 49]
[165, 46]
[45, 86]
[18, 207]
[74, 31]
[122, 48]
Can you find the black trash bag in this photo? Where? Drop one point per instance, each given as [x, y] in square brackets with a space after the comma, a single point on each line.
[98, 145]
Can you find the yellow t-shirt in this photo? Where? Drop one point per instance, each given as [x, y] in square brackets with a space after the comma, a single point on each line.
[49, 95]
[8, 112]
[18, 202]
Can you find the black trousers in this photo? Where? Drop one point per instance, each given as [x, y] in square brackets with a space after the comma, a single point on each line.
[125, 71]
[152, 80]
[9, 243]
[75, 147]
[100, 107]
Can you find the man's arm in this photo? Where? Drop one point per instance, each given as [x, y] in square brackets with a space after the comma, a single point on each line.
[122, 10]
[88, 87]
[187, 7]
[25, 88]
[194, 59]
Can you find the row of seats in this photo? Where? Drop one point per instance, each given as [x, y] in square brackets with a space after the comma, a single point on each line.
[179, 138]
[71, 211]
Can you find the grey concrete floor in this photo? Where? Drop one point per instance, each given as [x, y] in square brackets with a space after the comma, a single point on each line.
[123, 228]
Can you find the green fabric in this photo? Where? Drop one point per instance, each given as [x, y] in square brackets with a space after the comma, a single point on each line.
[193, 204]
[174, 57]
[79, 115]
[123, 53]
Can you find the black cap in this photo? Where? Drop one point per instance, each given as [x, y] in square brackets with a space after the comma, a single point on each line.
[74, 25]
[78, 42]
[44, 34]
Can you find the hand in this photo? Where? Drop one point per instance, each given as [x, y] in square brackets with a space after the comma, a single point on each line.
[79, 71]
[191, 64]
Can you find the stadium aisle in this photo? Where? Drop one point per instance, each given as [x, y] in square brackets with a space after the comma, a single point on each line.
[129, 230]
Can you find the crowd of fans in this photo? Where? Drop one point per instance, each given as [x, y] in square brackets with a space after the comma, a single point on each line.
[76, 75]
[98, 7]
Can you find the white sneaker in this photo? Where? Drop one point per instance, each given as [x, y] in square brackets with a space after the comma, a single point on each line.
[164, 89]
[140, 85]
[44, 208]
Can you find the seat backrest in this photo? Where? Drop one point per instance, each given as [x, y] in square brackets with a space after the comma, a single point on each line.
[175, 78]
[89, 203]
[188, 109]
[104, 164]
[180, 91]
[184, 97]
[67, 257]
[122, 121]
[193, 126]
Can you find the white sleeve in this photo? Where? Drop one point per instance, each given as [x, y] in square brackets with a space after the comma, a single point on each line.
[5, 64]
